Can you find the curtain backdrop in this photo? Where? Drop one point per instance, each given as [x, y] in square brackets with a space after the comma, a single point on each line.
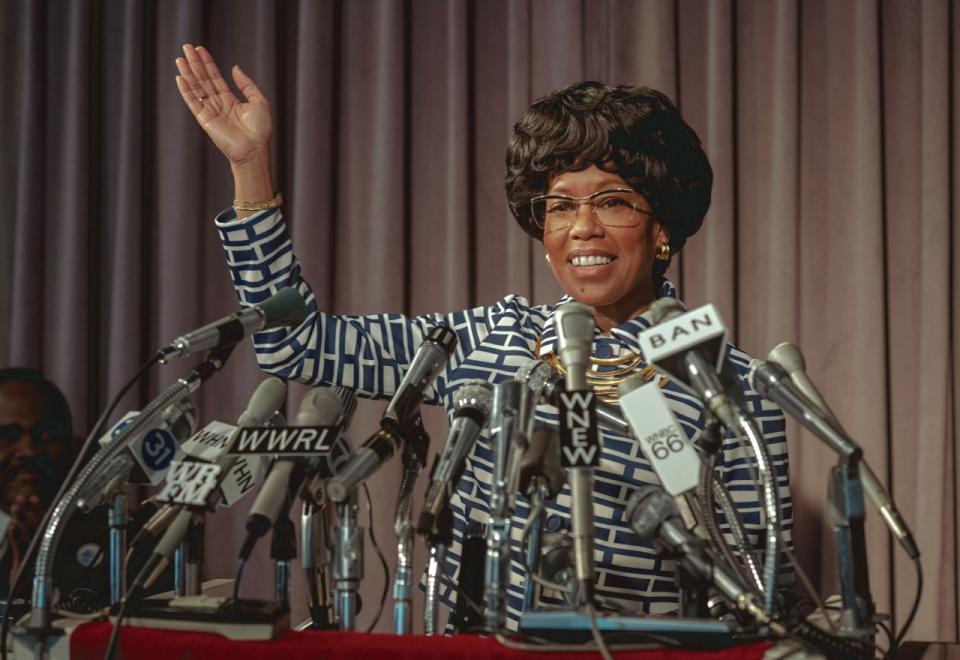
[832, 127]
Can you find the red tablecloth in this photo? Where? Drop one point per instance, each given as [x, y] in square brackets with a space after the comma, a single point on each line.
[89, 642]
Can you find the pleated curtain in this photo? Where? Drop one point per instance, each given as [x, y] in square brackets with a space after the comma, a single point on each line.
[831, 125]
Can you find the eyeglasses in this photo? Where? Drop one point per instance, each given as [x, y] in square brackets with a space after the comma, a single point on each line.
[47, 429]
[618, 207]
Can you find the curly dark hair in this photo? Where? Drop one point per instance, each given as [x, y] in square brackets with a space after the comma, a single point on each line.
[636, 132]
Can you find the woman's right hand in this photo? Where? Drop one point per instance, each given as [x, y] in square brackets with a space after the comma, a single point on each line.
[240, 130]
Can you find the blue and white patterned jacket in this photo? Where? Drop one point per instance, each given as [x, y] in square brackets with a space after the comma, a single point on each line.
[370, 353]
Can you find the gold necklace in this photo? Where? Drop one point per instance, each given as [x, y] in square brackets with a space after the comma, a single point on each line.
[605, 383]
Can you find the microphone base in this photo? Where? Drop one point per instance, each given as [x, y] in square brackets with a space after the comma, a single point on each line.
[243, 619]
[573, 627]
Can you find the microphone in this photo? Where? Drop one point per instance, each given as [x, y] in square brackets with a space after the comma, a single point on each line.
[541, 463]
[236, 477]
[379, 448]
[656, 519]
[773, 383]
[575, 327]
[690, 347]
[148, 455]
[284, 308]
[471, 408]
[547, 385]
[789, 357]
[427, 363]
[664, 443]
[321, 406]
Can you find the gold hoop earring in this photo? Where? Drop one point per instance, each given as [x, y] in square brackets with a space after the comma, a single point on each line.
[663, 252]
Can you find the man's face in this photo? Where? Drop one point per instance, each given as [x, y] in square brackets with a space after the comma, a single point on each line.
[34, 452]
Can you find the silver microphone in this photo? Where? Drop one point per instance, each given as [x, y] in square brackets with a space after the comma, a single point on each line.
[284, 308]
[789, 357]
[575, 327]
[471, 408]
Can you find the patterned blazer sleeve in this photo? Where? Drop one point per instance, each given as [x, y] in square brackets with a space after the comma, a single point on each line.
[368, 353]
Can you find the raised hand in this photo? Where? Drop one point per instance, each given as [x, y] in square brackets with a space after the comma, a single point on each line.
[241, 130]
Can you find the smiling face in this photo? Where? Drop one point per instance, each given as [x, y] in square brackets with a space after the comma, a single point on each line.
[608, 268]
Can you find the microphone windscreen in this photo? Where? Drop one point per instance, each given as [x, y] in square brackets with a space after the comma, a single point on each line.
[320, 407]
[647, 508]
[181, 418]
[664, 309]
[286, 307]
[265, 401]
[788, 356]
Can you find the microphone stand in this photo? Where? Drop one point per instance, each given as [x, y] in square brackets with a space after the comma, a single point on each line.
[283, 549]
[535, 542]
[347, 563]
[314, 558]
[40, 620]
[507, 401]
[416, 443]
[438, 540]
[187, 560]
[117, 520]
[846, 514]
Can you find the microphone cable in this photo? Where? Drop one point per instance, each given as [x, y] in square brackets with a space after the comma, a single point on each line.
[383, 560]
[88, 444]
[913, 610]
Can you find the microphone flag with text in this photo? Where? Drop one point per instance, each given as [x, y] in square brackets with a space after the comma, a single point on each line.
[320, 409]
[149, 453]
[691, 347]
[199, 487]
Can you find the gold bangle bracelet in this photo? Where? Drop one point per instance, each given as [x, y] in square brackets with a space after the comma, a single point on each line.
[259, 206]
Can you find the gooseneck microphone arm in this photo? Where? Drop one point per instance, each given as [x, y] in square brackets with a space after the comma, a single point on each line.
[704, 380]
[65, 508]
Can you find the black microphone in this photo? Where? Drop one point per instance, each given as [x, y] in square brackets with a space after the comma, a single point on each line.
[471, 408]
[656, 519]
[379, 448]
[772, 382]
[540, 463]
[429, 360]
[284, 308]
[321, 406]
